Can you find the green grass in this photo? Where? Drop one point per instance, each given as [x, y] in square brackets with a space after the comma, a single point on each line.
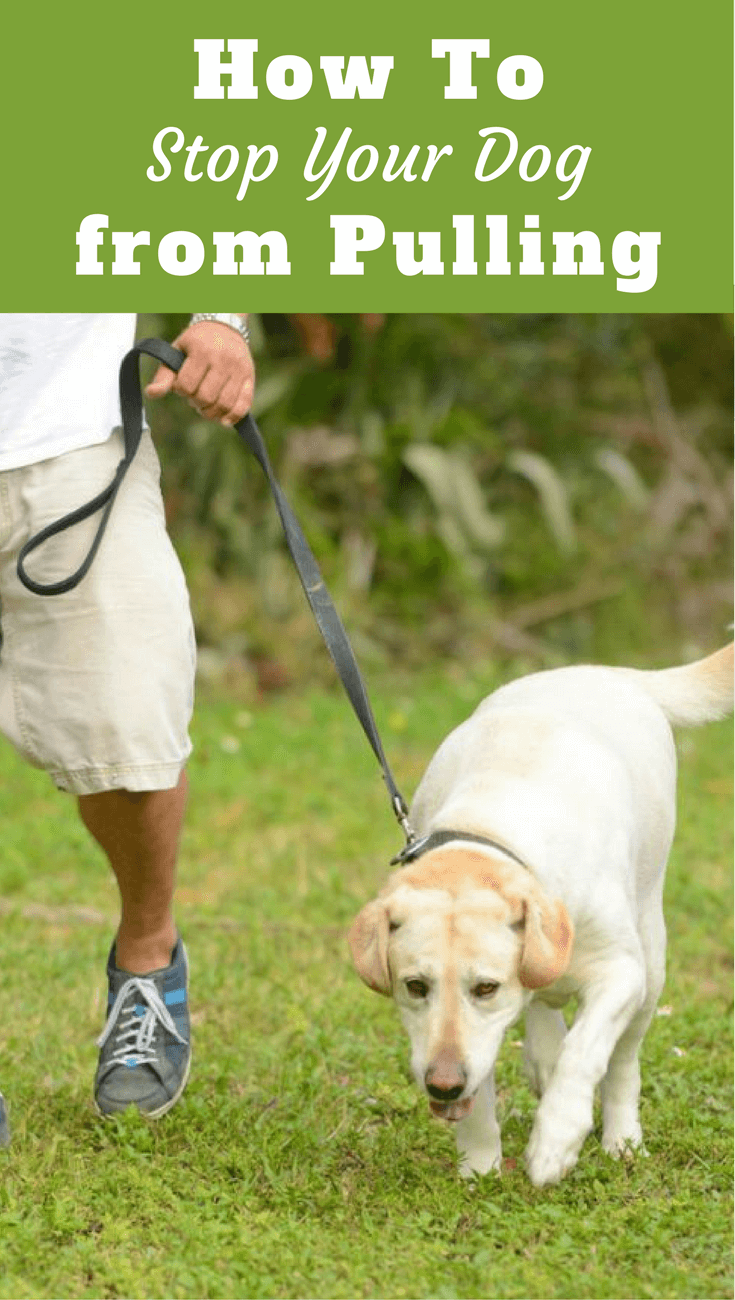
[301, 1161]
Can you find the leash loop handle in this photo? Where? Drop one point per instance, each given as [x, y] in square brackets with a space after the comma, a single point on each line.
[104, 501]
[131, 407]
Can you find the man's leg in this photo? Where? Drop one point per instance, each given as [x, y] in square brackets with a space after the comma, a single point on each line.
[145, 1044]
[96, 688]
[140, 835]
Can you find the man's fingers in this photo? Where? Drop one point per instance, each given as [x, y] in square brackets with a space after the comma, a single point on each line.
[241, 404]
[210, 390]
[190, 377]
[232, 403]
[217, 377]
[218, 396]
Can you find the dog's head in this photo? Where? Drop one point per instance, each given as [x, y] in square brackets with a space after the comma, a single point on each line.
[457, 938]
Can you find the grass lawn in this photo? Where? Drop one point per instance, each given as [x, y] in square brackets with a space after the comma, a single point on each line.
[301, 1161]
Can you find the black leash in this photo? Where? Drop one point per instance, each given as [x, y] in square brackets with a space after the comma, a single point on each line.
[322, 606]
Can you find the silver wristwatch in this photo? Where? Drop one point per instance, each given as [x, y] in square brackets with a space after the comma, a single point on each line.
[235, 322]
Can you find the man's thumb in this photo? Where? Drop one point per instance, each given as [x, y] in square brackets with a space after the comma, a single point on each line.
[161, 383]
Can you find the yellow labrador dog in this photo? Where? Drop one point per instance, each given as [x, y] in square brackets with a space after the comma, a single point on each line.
[546, 821]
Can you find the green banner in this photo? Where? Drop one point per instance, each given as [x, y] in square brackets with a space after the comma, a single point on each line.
[461, 157]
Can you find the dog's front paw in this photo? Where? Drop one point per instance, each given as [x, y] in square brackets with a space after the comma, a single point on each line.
[548, 1162]
[621, 1128]
[625, 1145]
[480, 1160]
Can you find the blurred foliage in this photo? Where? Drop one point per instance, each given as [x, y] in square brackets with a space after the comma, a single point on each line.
[516, 482]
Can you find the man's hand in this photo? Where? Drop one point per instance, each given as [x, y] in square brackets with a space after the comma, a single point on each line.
[218, 376]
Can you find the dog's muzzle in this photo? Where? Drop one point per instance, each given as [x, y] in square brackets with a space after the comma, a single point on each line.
[452, 1111]
[445, 1081]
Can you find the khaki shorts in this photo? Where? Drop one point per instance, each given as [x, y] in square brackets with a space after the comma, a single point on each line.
[97, 684]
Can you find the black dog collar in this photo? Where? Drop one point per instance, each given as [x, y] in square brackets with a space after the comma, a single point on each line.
[417, 848]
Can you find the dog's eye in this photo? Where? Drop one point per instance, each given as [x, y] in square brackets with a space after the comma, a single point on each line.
[417, 988]
[485, 989]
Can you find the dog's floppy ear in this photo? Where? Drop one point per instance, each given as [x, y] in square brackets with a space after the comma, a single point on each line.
[547, 942]
[368, 940]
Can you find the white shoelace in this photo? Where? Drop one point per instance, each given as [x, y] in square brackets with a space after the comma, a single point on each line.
[135, 1032]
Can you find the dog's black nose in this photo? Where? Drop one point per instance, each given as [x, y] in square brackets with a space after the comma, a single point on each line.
[444, 1094]
[445, 1077]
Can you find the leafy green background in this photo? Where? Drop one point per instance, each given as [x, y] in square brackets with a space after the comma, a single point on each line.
[550, 485]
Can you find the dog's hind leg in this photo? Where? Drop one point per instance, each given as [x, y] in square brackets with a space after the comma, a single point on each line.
[478, 1136]
[545, 1034]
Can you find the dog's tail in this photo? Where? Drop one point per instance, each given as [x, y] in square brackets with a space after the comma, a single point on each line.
[695, 693]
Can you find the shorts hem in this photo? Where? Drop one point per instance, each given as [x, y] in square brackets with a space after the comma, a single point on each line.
[137, 779]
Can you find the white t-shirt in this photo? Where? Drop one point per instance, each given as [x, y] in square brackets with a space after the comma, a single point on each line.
[59, 382]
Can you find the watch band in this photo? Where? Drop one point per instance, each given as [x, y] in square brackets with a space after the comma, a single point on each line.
[233, 321]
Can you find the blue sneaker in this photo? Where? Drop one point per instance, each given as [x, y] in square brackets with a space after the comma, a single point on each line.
[4, 1125]
[146, 1042]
